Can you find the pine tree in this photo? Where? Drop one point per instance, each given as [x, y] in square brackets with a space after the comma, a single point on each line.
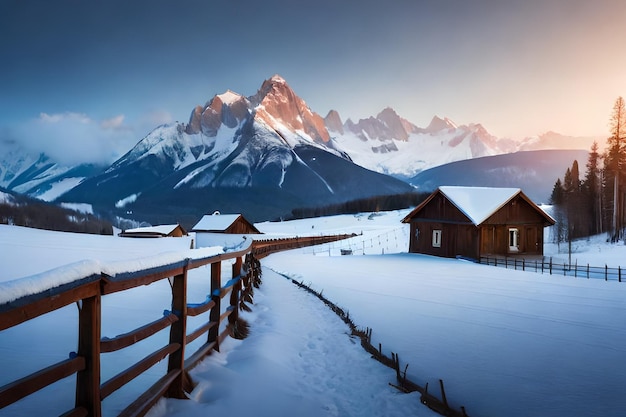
[573, 203]
[557, 199]
[591, 190]
[615, 163]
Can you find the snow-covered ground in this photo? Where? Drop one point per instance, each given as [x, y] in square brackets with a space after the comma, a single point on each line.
[504, 342]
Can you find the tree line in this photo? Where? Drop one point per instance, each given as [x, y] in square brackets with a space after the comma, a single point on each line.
[596, 203]
[363, 205]
[25, 211]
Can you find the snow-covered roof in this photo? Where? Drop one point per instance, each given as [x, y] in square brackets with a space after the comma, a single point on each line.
[164, 229]
[215, 222]
[478, 203]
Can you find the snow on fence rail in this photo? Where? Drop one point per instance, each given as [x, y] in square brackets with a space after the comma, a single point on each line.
[555, 268]
[85, 363]
[45, 294]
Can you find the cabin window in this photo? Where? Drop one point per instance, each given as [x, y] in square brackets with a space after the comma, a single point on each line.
[436, 238]
[513, 240]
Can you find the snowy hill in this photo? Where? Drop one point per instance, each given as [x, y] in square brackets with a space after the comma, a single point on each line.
[535, 172]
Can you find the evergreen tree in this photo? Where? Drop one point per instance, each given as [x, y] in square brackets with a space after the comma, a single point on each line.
[591, 190]
[557, 199]
[573, 203]
[615, 163]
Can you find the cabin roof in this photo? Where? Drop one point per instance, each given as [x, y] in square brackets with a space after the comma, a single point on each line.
[478, 203]
[164, 229]
[220, 223]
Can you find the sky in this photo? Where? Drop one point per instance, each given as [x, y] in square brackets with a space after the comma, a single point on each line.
[76, 74]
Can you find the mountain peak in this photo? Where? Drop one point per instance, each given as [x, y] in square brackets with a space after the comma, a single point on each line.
[277, 79]
[333, 122]
[229, 97]
[228, 108]
[277, 105]
[437, 124]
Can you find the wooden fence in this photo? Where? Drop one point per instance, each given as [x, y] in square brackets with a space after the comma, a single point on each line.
[87, 293]
[85, 363]
[547, 266]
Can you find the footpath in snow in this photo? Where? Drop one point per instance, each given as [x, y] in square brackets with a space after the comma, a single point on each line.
[299, 359]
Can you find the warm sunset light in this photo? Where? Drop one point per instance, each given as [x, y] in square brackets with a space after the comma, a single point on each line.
[519, 68]
[273, 208]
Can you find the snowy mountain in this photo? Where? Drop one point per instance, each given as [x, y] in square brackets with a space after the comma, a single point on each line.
[36, 175]
[262, 156]
[392, 145]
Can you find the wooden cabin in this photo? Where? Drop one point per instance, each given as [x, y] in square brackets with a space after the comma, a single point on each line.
[227, 230]
[166, 230]
[477, 221]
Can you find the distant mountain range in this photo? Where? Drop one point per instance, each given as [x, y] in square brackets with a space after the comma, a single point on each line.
[535, 172]
[390, 144]
[269, 153]
[262, 155]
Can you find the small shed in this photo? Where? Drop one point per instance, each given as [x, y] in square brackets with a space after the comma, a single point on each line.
[166, 230]
[477, 221]
[227, 230]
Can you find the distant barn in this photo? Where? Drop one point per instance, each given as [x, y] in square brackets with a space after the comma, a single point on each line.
[227, 230]
[477, 221]
[166, 230]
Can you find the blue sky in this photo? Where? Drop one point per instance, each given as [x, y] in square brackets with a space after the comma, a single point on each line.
[116, 69]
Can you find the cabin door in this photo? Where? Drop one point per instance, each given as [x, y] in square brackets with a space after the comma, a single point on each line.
[531, 244]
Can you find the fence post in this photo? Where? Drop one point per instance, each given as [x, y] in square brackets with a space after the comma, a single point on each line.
[234, 294]
[214, 315]
[443, 395]
[178, 333]
[551, 265]
[576, 269]
[606, 272]
[89, 334]
[587, 271]
[619, 273]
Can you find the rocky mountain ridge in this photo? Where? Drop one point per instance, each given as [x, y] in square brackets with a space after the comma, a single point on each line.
[269, 150]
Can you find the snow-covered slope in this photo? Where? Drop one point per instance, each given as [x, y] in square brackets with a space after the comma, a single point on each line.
[36, 175]
[391, 145]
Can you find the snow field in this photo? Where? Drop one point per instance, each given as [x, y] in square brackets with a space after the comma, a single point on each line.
[505, 342]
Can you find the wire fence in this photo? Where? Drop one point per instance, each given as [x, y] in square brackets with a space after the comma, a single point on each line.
[548, 266]
[391, 241]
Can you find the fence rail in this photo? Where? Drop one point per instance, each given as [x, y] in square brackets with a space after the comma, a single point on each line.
[548, 266]
[85, 363]
[87, 293]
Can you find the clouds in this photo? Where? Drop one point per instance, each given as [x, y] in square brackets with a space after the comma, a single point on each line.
[72, 137]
